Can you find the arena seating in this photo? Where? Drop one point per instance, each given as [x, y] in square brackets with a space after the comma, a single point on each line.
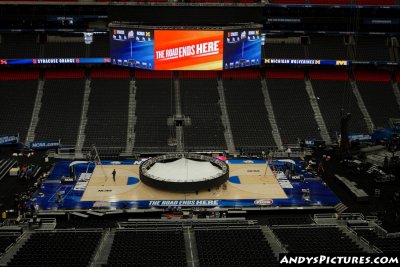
[13, 45]
[155, 102]
[287, 50]
[148, 248]
[233, 247]
[6, 240]
[18, 75]
[81, 223]
[372, 48]
[333, 91]
[64, 50]
[177, 224]
[5, 166]
[108, 108]
[377, 92]
[310, 239]
[61, 109]
[246, 109]
[100, 46]
[328, 47]
[199, 98]
[385, 244]
[293, 112]
[63, 248]
[18, 92]
[272, 219]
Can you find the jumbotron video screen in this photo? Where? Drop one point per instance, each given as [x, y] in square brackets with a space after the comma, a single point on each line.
[154, 49]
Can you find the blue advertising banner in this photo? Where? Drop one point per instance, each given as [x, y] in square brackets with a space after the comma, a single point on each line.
[384, 134]
[26, 61]
[249, 57]
[306, 61]
[43, 145]
[8, 140]
[361, 137]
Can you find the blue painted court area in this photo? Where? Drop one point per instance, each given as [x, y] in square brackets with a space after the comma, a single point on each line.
[46, 198]
[132, 180]
[234, 179]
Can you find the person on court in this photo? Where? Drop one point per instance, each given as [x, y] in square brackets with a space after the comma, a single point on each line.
[59, 197]
[113, 174]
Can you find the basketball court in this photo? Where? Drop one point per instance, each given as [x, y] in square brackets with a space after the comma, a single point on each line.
[251, 183]
[247, 181]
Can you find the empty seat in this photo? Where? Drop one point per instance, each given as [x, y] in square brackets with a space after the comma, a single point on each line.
[293, 112]
[107, 113]
[328, 47]
[73, 248]
[155, 103]
[233, 247]
[248, 114]
[336, 98]
[148, 248]
[19, 45]
[315, 240]
[199, 98]
[372, 48]
[61, 109]
[16, 106]
[380, 101]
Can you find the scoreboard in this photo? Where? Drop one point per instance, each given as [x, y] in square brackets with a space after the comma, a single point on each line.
[188, 50]
[133, 48]
[242, 48]
[158, 49]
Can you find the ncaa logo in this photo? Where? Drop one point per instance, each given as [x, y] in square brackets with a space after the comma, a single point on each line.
[263, 202]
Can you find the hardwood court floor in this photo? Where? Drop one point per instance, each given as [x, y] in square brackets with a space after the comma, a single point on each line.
[255, 182]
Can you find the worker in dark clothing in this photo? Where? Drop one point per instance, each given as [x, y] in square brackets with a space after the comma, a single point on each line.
[59, 198]
[113, 174]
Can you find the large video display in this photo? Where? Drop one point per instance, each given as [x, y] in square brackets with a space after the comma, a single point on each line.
[242, 48]
[188, 50]
[132, 48]
[185, 49]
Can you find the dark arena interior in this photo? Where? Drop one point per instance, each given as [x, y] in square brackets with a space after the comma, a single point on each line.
[198, 132]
